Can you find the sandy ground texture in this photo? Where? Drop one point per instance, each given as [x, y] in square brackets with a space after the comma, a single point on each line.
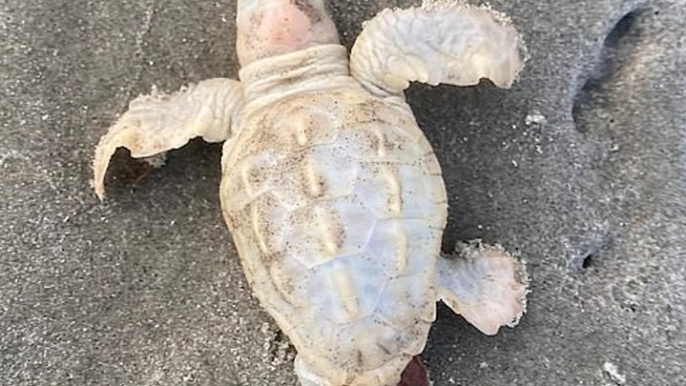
[581, 168]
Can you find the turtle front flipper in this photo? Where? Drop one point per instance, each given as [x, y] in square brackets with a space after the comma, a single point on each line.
[439, 42]
[159, 122]
[484, 284]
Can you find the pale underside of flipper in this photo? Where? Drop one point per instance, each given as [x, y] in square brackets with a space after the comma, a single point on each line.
[484, 284]
[160, 122]
[306, 376]
[440, 42]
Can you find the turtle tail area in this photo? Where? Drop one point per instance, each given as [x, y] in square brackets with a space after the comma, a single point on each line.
[484, 284]
[415, 374]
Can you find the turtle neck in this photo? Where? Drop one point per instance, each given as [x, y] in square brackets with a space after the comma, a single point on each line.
[315, 68]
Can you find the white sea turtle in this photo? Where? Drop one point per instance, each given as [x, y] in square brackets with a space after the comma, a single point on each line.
[333, 195]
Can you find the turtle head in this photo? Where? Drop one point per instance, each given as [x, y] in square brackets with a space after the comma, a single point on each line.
[273, 27]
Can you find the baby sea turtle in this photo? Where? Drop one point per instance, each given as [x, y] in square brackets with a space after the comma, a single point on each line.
[333, 195]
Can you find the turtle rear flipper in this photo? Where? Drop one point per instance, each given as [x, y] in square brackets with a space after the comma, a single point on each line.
[159, 122]
[439, 42]
[484, 284]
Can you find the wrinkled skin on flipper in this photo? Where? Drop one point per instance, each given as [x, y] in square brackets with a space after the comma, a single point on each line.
[159, 122]
[312, 152]
[484, 284]
[440, 42]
